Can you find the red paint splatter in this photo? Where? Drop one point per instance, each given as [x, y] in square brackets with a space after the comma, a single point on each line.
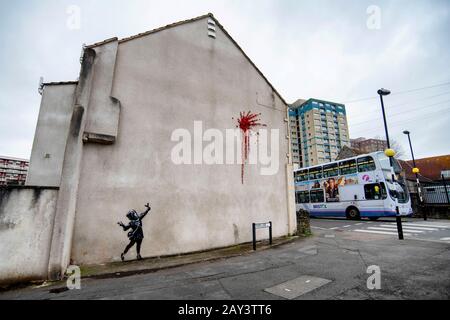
[247, 122]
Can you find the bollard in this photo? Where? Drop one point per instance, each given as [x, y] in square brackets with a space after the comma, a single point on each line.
[399, 224]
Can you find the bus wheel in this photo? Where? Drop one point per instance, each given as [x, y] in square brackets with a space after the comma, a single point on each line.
[353, 213]
[373, 218]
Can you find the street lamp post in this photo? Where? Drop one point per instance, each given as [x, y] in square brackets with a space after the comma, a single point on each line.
[391, 153]
[416, 171]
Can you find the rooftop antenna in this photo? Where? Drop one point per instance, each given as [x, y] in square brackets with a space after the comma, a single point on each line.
[41, 85]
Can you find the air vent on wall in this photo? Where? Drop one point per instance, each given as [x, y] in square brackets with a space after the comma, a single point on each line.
[211, 28]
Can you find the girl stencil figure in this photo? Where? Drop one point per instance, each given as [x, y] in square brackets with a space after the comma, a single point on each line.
[136, 234]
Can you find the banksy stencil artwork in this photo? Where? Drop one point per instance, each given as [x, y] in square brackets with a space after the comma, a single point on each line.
[247, 122]
[136, 234]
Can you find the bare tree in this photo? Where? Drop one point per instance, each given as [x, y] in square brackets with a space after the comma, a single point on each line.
[399, 150]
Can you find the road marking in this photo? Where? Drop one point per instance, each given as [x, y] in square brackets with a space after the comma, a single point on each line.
[426, 225]
[390, 229]
[347, 226]
[358, 224]
[318, 228]
[423, 225]
[334, 228]
[308, 250]
[411, 227]
[445, 239]
[380, 232]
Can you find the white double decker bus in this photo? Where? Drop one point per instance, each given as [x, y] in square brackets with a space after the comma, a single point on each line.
[358, 187]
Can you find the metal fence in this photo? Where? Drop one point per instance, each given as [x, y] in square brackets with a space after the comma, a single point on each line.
[436, 193]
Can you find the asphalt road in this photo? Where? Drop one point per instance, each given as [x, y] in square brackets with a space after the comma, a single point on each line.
[332, 264]
[431, 230]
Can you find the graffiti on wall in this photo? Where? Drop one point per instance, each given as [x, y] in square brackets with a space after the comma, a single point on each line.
[136, 233]
[247, 123]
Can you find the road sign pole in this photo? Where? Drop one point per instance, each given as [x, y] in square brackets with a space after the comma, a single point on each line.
[270, 232]
[254, 236]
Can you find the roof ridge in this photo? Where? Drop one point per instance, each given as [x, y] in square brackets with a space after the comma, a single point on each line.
[175, 24]
[250, 60]
[168, 26]
[101, 43]
[434, 157]
[59, 83]
[141, 34]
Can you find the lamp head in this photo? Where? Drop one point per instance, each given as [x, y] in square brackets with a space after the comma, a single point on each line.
[389, 152]
[406, 132]
[384, 92]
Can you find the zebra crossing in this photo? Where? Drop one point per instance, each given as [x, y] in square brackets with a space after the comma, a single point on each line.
[411, 229]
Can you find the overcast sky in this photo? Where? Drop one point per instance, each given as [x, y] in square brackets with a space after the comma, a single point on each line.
[335, 50]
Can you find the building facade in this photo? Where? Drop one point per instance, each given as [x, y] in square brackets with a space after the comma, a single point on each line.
[319, 130]
[368, 145]
[13, 171]
[107, 143]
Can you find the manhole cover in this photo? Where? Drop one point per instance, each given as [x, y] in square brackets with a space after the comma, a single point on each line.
[297, 287]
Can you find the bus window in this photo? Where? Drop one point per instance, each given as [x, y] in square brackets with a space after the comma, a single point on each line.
[366, 164]
[383, 190]
[315, 173]
[373, 191]
[317, 196]
[301, 175]
[330, 170]
[348, 167]
[302, 196]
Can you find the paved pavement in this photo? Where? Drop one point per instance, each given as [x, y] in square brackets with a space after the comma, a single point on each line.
[332, 264]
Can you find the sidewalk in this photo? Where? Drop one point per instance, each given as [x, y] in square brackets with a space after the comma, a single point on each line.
[335, 262]
[127, 268]
[150, 265]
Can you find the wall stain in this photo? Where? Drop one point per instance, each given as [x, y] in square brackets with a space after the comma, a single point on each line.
[7, 225]
[236, 233]
[75, 122]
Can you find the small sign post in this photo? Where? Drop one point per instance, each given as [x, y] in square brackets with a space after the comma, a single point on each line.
[262, 226]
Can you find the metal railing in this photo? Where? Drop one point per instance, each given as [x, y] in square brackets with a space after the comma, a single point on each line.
[435, 193]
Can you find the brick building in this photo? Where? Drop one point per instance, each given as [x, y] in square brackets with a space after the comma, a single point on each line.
[368, 145]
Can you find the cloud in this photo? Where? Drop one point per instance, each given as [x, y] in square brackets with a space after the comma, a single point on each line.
[320, 49]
